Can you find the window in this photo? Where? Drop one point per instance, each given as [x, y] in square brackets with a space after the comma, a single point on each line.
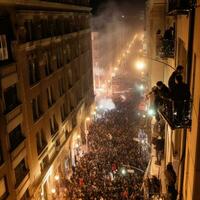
[44, 163]
[53, 125]
[20, 172]
[28, 24]
[15, 137]
[41, 141]
[61, 86]
[6, 35]
[3, 48]
[34, 74]
[70, 77]
[3, 188]
[10, 98]
[63, 112]
[50, 96]
[36, 109]
[47, 61]
[59, 56]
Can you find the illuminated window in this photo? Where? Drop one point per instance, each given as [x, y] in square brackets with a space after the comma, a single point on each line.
[36, 108]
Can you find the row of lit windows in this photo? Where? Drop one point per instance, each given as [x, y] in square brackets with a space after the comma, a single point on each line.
[50, 58]
[40, 27]
[76, 2]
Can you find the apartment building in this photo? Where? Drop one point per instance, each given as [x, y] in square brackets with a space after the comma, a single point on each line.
[182, 141]
[46, 93]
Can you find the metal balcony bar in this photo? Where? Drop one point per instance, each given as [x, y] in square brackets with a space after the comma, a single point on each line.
[177, 113]
[179, 7]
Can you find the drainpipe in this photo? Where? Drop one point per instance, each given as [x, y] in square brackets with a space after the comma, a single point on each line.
[188, 79]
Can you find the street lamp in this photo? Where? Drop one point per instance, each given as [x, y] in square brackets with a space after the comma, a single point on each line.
[141, 87]
[151, 112]
[140, 65]
[123, 171]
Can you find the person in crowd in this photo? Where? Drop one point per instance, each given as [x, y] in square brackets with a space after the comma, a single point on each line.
[180, 95]
[93, 177]
[172, 78]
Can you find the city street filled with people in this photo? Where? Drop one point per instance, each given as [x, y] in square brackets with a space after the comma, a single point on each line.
[114, 166]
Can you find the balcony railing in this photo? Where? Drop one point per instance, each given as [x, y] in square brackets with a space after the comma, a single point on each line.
[178, 114]
[179, 7]
[165, 48]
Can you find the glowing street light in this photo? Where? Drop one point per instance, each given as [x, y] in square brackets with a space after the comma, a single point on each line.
[53, 190]
[123, 171]
[113, 74]
[151, 112]
[141, 87]
[115, 68]
[77, 145]
[87, 119]
[140, 65]
[57, 177]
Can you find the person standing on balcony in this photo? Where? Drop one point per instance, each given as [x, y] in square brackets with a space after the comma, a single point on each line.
[169, 34]
[171, 81]
[163, 92]
[170, 176]
[181, 96]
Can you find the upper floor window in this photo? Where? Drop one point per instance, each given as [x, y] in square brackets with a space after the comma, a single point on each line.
[63, 112]
[3, 188]
[70, 77]
[59, 56]
[53, 125]
[50, 96]
[11, 98]
[6, 37]
[20, 172]
[61, 86]
[16, 137]
[41, 141]
[34, 73]
[36, 108]
[47, 62]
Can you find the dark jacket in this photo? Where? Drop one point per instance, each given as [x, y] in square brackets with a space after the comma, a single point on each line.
[180, 92]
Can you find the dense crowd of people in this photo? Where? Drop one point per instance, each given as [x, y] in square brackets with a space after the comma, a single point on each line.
[113, 168]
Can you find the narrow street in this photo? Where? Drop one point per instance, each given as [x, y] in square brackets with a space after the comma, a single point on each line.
[118, 154]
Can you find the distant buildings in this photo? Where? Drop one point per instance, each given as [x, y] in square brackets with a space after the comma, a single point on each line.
[46, 85]
[182, 143]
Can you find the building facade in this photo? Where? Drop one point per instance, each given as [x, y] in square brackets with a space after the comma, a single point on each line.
[46, 93]
[181, 143]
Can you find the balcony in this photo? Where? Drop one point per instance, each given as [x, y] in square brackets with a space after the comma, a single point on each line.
[179, 7]
[178, 114]
[165, 48]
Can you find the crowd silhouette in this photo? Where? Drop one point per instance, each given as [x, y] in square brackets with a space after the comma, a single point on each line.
[113, 168]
